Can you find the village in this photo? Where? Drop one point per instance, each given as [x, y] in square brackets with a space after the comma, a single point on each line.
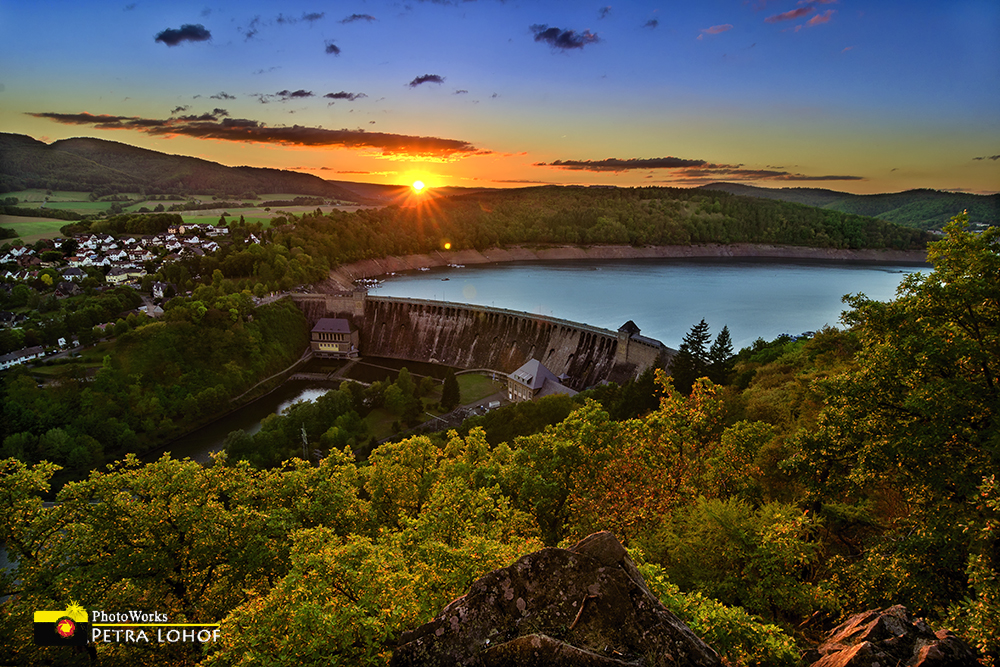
[37, 277]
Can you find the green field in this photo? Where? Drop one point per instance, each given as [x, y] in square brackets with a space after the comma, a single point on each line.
[475, 387]
[37, 196]
[31, 230]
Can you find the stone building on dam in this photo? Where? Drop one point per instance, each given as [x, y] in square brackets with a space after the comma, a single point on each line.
[468, 336]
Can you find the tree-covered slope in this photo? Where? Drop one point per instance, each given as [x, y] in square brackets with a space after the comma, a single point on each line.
[87, 164]
[920, 209]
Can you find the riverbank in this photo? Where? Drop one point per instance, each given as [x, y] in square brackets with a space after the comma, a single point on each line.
[343, 277]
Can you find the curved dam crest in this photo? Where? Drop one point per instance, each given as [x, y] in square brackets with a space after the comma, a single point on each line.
[468, 336]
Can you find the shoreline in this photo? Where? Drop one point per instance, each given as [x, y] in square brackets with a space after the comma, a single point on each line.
[343, 277]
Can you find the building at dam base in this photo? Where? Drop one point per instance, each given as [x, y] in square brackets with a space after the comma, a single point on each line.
[469, 336]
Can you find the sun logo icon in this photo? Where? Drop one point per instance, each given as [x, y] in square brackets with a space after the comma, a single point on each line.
[65, 627]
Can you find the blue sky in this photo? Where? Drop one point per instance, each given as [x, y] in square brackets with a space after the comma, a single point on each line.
[847, 95]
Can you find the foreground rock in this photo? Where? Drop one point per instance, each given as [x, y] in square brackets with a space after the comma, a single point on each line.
[892, 637]
[584, 606]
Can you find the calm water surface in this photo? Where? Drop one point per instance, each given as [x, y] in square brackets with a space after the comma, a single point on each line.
[754, 297]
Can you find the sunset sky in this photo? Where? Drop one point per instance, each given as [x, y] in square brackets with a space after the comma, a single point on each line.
[859, 96]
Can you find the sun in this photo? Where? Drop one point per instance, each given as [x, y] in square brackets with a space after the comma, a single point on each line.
[418, 186]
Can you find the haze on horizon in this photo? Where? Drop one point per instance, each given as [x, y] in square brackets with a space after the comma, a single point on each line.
[850, 95]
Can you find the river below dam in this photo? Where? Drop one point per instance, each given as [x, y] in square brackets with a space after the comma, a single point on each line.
[754, 297]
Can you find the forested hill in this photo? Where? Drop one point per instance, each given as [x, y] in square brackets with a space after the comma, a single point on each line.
[96, 164]
[920, 209]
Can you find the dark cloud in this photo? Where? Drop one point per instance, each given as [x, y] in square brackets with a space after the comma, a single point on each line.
[178, 110]
[251, 131]
[343, 95]
[651, 23]
[285, 95]
[219, 112]
[282, 19]
[358, 17]
[313, 16]
[332, 49]
[186, 33]
[988, 157]
[563, 39]
[426, 78]
[692, 171]
[223, 96]
[461, 91]
[603, 12]
[790, 15]
[615, 164]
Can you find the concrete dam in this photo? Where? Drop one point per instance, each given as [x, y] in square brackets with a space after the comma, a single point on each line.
[468, 336]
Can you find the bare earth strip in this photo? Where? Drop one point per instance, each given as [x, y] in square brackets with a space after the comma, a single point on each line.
[342, 277]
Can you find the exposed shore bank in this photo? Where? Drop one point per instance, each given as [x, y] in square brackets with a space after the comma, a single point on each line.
[342, 277]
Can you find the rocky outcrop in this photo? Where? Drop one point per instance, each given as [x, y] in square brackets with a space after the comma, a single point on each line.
[583, 606]
[892, 637]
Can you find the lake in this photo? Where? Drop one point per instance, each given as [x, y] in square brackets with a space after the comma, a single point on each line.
[664, 297]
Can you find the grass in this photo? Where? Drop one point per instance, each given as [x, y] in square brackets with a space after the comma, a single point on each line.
[474, 387]
[31, 230]
[38, 195]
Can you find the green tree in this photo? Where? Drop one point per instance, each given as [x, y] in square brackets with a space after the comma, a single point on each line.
[917, 420]
[720, 358]
[691, 361]
[450, 392]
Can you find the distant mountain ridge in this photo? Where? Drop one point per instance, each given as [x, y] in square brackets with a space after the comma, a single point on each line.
[921, 209]
[98, 164]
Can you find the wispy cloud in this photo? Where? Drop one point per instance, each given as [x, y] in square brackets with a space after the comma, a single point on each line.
[715, 29]
[223, 96]
[819, 19]
[251, 131]
[358, 17]
[988, 157]
[186, 33]
[332, 49]
[563, 39]
[252, 28]
[603, 12]
[129, 7]
[426, 78]
[790, 15]
[312, 17]
[651, 23]
[690, 170]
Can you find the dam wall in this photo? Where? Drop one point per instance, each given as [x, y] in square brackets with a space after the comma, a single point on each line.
[468, 336]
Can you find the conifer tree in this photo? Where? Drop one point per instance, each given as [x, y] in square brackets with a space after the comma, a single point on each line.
[720, 357]
[691, 361]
